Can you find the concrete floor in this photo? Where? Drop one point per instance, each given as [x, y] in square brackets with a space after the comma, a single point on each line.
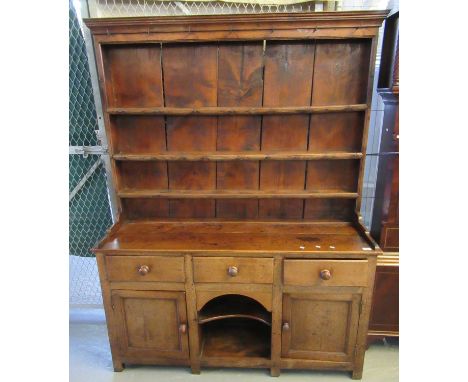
[90, 360]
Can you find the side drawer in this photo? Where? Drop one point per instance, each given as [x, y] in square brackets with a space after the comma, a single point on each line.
[233, 270]
[145, 268]
[326, 272]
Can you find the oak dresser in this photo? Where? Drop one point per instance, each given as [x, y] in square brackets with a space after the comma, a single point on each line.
[238, 146]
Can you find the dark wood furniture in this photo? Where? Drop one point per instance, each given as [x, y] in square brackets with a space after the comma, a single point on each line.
[385, 219]
[384, 320]
[238, 147]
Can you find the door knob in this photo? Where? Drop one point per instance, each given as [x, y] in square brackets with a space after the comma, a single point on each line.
[285, 326]
[183, 328]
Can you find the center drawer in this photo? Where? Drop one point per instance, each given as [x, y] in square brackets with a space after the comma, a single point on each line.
[145, 268]
[233, 270]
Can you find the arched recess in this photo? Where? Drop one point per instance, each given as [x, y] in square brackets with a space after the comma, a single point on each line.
[235, 325]
[234, 306]
[264, 298]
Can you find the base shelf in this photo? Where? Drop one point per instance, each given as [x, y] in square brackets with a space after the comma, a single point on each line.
[236, 337]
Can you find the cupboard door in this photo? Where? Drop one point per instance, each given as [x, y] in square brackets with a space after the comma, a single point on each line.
[320, 326]
[151, 324]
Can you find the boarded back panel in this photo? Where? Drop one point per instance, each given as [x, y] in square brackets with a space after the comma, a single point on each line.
[329, 209]
[288, 82]
[190, 80]
[133, 74]
[332, 175]
[341, 72]
[190, 72]
[240, 83]
[237, 209]
[132, 134]
[288, 175]
[237, 175]
[142, 175]
[145, 208]
[192, 176]
[290, 209]
[190, 77]
[134, 79]
[191, 208]
[191, 133]
[336, 132]
[244, 74]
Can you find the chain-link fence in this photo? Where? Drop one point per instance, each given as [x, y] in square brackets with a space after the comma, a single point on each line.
[123, 8]
[90, 213]
[82, 112]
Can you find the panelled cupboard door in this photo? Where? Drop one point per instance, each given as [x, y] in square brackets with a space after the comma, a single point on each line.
[151, 324]
[320, 326]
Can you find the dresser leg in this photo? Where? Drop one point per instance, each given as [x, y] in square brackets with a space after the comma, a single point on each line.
[357, 374]
[195, 369]
[118, 366]
[275, 371]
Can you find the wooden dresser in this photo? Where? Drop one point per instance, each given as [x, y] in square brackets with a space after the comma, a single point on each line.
[238, 147]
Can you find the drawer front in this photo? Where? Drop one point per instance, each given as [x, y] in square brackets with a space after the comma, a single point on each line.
[326, 272]
[232, 270]
[145, 268]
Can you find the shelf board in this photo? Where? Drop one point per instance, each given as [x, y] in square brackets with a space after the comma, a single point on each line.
[232, 309]
[203, 319]
[238, 155]
[181, 111]
[236, 338]
[235, 194]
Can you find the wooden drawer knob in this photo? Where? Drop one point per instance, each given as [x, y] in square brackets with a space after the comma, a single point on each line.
[183, 328]
[286, 326]
[233, 271]
[143, 270]
[325, 274]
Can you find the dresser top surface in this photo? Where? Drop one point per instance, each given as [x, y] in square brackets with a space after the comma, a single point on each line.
[235, 237]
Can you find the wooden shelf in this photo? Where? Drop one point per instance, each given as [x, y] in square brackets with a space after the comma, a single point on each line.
[236, 338]
[258, 316]
[231, 307]
[238, 155]
[181, 111]
[238, 194]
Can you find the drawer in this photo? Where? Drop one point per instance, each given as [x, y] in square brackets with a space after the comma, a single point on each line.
[145, 268]
[326, 272]
[232, 270]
